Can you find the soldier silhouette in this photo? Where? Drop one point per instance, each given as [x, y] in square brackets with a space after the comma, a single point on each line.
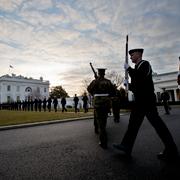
[76, 100]
[102, 89]
[165, 100]
[85, 102]
[63, 103]
[144, 105]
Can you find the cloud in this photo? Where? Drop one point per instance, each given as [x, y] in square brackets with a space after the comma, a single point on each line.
[9, 5]
[58, 39]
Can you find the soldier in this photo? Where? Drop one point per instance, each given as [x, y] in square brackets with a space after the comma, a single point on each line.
[102, 89]
[85, 102]
[36, 104]
[19, 105]
[63, 103]
[116, 105]
[144, 105]
[44, 104]
[76, 100]
[55, 102]
[39, 104]
[165, 100]
[32, 104]
[49, 101]
[28, 104]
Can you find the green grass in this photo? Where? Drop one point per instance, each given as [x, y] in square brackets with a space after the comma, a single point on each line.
[8, 117]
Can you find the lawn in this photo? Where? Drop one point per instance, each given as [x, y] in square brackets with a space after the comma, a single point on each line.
[8, 117]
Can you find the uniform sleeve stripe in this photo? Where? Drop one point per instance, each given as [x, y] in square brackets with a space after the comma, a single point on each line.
[149, 71]
[140, 64]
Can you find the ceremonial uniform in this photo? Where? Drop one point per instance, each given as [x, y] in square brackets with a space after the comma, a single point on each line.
[144, 105]
[116, 106]
[85, 103]
[165, 100]
[102, 89]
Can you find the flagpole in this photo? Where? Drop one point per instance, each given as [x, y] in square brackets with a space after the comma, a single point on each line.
[10, 67]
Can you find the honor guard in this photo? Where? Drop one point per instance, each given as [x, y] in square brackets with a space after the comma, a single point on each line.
[101, 89]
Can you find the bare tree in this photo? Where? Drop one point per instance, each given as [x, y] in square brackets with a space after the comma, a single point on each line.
[85, 83]
[115, 78]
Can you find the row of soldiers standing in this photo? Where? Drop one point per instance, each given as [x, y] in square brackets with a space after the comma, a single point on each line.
[34, 105]
[45, 105]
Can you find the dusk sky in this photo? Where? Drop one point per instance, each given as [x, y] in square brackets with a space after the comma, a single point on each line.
[56, 39]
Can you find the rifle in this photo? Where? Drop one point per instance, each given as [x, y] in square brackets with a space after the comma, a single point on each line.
[95, 74]
[126, 73]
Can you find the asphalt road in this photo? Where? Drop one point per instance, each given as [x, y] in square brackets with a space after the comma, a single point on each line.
[70, 151]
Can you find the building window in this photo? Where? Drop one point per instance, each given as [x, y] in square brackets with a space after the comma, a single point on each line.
[18, 88]
[28, 89]
[8, 88]
[45, 90]
[8, 99]
[17, 98]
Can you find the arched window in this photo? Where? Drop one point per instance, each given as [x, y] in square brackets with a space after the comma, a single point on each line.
[28, 89]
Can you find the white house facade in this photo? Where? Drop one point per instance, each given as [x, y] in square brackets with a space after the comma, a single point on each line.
[167, 81]
[14, 88]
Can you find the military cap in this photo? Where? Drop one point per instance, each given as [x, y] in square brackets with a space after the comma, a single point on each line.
[135, 50]
[101, 70]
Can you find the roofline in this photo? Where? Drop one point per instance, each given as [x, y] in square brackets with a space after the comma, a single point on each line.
[173, 72]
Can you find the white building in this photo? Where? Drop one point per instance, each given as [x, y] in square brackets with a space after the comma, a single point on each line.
[167, 81]
[13, 88]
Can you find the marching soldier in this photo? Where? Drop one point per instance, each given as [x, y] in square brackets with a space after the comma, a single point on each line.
[76, 100]
[165, 100]
[85, 102]
[39, 104]
[49, 101]
[145, 105]
[102, 89]
[55, 102]
[63, 103]
[116, 105]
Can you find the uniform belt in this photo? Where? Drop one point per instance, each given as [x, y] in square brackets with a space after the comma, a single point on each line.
[100, 95]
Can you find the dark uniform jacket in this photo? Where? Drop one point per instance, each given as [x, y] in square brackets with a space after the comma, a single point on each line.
[142, 84]
[165, 96]
[101, 86]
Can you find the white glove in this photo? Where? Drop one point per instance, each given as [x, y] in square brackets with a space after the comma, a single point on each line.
[126, 66]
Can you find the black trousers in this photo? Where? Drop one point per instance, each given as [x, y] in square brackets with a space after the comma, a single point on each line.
[136, 118]
[101, 114]
[166, 106]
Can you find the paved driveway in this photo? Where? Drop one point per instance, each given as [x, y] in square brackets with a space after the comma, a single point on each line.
[70, 151]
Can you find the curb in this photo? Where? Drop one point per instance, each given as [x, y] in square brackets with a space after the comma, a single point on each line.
[42, 123]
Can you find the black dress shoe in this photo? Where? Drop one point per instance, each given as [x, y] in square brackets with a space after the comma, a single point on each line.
[168, 156]
[122, 148]
[103, 145]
